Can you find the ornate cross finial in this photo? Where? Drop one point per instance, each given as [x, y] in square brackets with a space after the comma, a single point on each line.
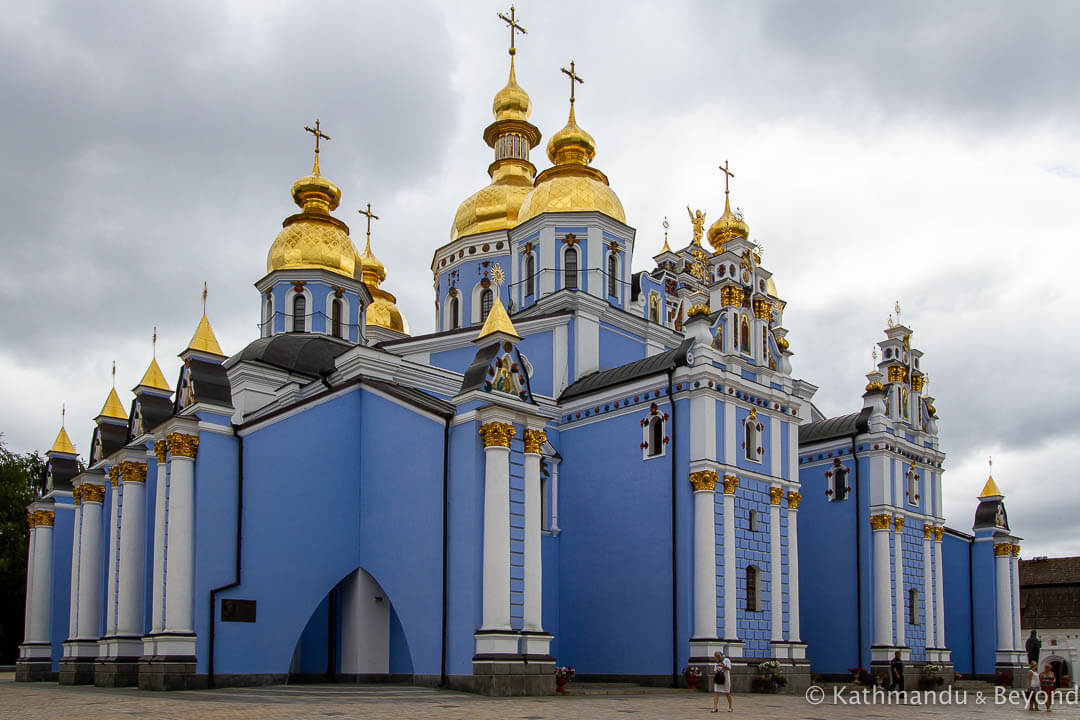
[153, 341]
[114, 374]
[512, 22]
[666, 225]
[370, 216]
[319, 135]
[896, 307]
[990, 462]
[204, 293]
[574, 77]
[63, 414]
[727, 176]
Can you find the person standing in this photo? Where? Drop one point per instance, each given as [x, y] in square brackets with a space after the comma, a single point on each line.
[896, 673]
[1048, 683]
[1034, 685]
[721, 681]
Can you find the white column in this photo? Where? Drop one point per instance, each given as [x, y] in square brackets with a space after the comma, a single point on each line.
[31, 519]
[533, 581]
[704, 486]
[731, 630]
[112, 559]
[130, 583]
[90, 562]
[496, 584]
[1018, 643]
[900, 601]
[793, 498]
[729, 434]
[939, 589]
[73, 588]
[776, 574]
[1002, 551]
[882, 595]
[180, 553]
[554, 489]
[928, 586]
[42, 607]
[157, 581]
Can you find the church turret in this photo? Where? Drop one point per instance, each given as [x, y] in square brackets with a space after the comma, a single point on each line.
[202, 378]
[384, 319]
[153, 404]
[63, 461]
[112, 426]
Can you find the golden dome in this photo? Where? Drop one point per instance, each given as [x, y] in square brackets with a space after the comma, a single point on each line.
[313, 238]
[113, 408]
[770, 287]
[727, 227]
[204, 339]
[571, 185]
[990, 489]
[62, 444]
[154, 378]
[383, 311]
[495, 207]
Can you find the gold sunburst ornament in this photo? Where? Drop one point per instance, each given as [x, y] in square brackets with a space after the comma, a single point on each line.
[497, 275]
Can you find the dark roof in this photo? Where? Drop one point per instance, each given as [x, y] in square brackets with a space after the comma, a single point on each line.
[113, 437]
[1050, 571]
[661, 362]
[837, 427]
[476, 373]
[61, 472]
[635, 285]
[1050, 593]
[211, 383]
[304, 353]
[155, 410]
[986, 514]
[468, 328]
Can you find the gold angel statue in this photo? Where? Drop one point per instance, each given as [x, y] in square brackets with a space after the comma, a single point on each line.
[698, 220]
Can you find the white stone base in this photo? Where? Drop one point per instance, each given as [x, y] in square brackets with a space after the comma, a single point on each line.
[168, 646]
[1011, 657]
[113, 648]
[536, 644]
[939, 656]
[35, 651]
[76, 649]
[884, 653]
[703, 649]
[497, 643]
[788, 650]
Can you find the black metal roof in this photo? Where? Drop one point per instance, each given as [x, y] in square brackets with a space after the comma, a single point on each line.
[635, 285]
[476, 373]
[986, 515]
[62, 471]
[113, 437]
[155, 410]
[837, 427]
[659, 363]
[211, 384]
[304, 353]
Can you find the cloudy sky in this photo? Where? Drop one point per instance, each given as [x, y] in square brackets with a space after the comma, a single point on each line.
[924, 152]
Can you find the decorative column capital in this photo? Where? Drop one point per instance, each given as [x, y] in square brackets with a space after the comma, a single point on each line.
[497, 434]
[1003, 549]
[181, 445]
[93, 493]
[44, 517]
[880, 522]
[76, 495]
[704, 480]
[133, 471]
[31, 519]
[114, 475]
[534, 440]
[1016, 551]
[730, 483]
[794, 497]
[776, 494]
[762, 309]
[161, 450]
[939, 532]
[927, 531]
[898, 523]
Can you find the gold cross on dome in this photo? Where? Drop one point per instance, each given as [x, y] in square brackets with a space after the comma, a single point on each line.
[512, 22]
[204, 293]
[63, 414]
[153, 340]
[370, 216]
[727, 176]
[574, 77]
[318, 133]
[114, 374]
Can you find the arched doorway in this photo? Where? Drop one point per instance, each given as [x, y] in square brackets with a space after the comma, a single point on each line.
[347, 637]
[1060, 668]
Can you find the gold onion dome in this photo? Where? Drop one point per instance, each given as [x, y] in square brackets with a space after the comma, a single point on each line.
[312, 238]
[728, 227]
[571, 184]
[383, 311]
[495, 207]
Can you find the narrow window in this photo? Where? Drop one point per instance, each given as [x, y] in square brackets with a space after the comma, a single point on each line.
[612, 275]
[299, 313]
[268, 316]
[839, 482]
[545, 493]
[753, 521]
[530, 271]
[913, 606]
[764, 342]
[454, 317]
[654, 308]
[656, 436]
[570, 269]
[744, 335]
[752, 604]
[487, 298]
[751, 439]
[335, 317]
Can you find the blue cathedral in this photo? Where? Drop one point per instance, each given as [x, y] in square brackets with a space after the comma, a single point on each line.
[581, 466]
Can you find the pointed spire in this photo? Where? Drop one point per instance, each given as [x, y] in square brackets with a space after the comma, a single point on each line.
[204, 339]
[990, 489]
[62, 444]
[113, 408]
[498, 321]
[153, 377]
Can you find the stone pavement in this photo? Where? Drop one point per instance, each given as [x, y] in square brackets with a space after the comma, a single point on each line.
[35, 701]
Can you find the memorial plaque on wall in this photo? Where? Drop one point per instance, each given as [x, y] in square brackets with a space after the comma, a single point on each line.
[237, 610]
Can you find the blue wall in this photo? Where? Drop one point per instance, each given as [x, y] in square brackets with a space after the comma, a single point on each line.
[957, 594]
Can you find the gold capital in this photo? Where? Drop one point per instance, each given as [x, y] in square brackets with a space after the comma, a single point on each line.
[534, 441]
[114, 475]
[775, 495]
[731, 296]
[31, 519]
[704, 480]
[497, 434]
[939, 532]
[927, 531]
[161, 450]
[44, 517]
[133, 471]
[880, 522]
[1016, 551]
[794, 497]
[1003, 549]
[730, 483]
[898, 523]
[762, 309]
[93, 493]
[76, 495]
[181, 445]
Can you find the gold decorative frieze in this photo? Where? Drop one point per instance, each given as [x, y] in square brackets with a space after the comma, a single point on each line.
[497, 434]
[1016, 551]
[917, 382]
[93, 493]
[794, 497]
[133, 471]
[880, 522]
[114, 475]
[731, 296]
[76, 495]
[181, 445]
[698, 310]
[762, 309]
[161, 450]
[897, 373]
[704, 480]
[898, 523]
[44, 517]
[939, 532]
[730, 483]
[31, 519]
[534, 441]
[1003, 549]
[775, 495]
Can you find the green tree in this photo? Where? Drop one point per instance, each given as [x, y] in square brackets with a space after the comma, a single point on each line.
[22, 480]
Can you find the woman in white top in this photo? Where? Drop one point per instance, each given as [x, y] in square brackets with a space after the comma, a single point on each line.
[721, 681]
[1033, 686]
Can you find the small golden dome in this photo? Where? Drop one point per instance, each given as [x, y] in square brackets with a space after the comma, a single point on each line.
[62, 444]
[113, 408]
[990, 489]
[727, 227]
[571, 185]
[497, 320]
[204, 339]
[383, 311]
[154, 378]
[313, 238]
[770, 288]
[512, 102]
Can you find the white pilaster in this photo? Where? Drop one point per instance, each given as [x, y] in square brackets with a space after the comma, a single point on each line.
[157, 580]
[704, 487]
[547, 261]
[729, 436]
[1004, 597]
[130, 576]
[586, 344]
[775, 451]
[496, 599]
[594, 263]
[73, 588]
[900, 601]
[90, 563]
[939, 590]
[882, 594]
[113, 558]
[30, 565]
[793, 564]
[776, 575]
[180, 551]
[731, 630]
[1018, 643]
[929, 616]
[41, 610]
[533, 581]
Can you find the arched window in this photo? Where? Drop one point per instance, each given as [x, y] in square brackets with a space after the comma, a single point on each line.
[267, 316]
[570, 269]
[455, 321]
[753, 524]
[299, 313]
[487, 299]
[654, 307]
[335, 318]
[913, 606]
[612, 275]
[753, 597]
[530, 272]
[652, 435]
[744, 335]
[752, 439]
